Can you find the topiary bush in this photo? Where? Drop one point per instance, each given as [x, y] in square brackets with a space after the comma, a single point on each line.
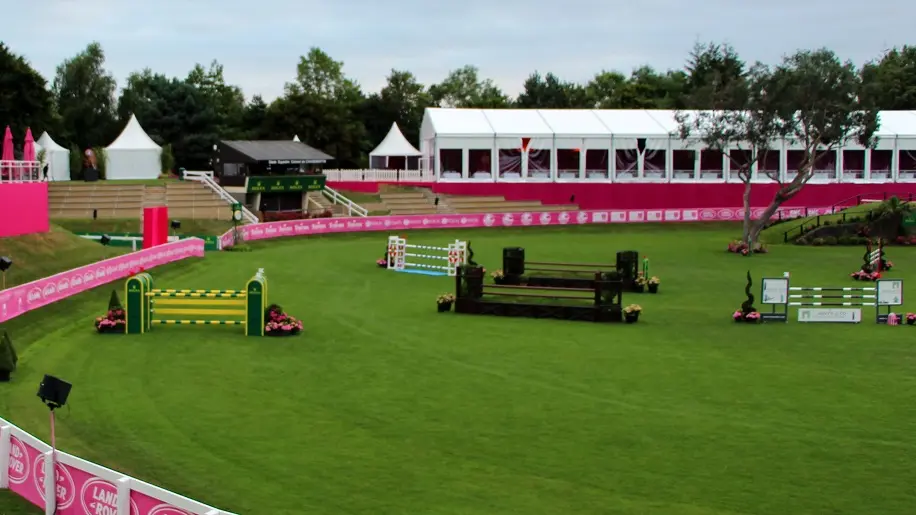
[8, 357]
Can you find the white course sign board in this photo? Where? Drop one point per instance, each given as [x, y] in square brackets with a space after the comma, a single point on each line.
[890, 292]
[775, 291]
[830, 315]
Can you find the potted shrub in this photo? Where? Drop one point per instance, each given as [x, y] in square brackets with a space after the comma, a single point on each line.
[910, 318]
[8, 358]
[639, 285]
[382, 263]
[444, 302]
[631, 313]
[279, 323]
[653, 284]
[498, 276]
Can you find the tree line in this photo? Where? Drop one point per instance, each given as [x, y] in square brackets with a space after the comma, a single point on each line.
[81, 105]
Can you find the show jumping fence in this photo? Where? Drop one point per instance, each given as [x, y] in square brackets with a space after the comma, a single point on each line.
[147, 305]
[829, 304]
[399, 252]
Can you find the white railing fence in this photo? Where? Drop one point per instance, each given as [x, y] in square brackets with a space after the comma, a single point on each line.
[378, 176]
[353, 209]
[21, 171]
[207, 179]
[25, 462]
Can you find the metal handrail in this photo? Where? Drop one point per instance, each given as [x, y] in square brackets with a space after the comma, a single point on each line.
[207, 178]
[352, 207]
[843, 204]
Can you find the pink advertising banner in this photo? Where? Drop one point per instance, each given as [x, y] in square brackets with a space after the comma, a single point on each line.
[271, 230]
[82, 493]
[27, 297]
[23, 476]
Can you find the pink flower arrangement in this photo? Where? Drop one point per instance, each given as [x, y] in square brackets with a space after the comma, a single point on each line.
[281, 324]
[751, 317]
[113, 322]
[382, 263]
[893, 319]
[862, 275]
[741, 247]
[911, 318]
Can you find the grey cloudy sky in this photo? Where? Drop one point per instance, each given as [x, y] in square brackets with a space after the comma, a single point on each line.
[259, 41]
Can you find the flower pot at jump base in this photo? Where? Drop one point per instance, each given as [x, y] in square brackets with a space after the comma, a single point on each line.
[653, 288]
[631, 318]
[4, 376]
[639, 288]
[444, 307]
[911, 322]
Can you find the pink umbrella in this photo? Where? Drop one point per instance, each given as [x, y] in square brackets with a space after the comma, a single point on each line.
[7, 155]
[7, 145]
[28, 149]
[28, 155]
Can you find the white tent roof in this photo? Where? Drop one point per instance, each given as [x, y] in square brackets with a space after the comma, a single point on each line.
[458, 122]
[896, 123]
[631, 122]
[574, 123]
[296, 138]
[395, 145]
[133, 137]
[49, 144]
[645, 123]
[517, 122]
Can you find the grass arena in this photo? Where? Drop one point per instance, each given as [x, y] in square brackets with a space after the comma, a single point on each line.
[384, 405]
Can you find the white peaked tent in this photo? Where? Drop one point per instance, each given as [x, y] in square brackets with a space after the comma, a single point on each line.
[133, 154]
[296, 138]
[56, 157]
[396, 146]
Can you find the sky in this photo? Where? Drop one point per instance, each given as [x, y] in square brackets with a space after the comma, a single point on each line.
[259, 41]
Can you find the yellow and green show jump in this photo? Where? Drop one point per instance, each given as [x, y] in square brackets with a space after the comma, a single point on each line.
[147, 306]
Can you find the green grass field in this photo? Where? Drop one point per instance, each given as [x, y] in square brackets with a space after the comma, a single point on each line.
[385, 406]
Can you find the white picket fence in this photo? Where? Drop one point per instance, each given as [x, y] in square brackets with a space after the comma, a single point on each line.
[20, 171]
[52, 462]
[378, 176]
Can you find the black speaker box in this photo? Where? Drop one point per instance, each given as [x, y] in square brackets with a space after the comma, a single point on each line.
[54, 391]
[513, 261]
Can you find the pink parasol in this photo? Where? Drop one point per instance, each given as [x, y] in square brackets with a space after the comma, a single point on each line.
[28, 148]
[7, 145]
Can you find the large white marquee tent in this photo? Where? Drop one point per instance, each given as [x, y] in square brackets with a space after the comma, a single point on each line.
[627, 145]
[133, 154]
[56, 157]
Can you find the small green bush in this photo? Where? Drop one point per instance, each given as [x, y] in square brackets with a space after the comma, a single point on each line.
[818, 242]
[76, 163]
[845, 240]
[8, 357]
[114, 302]
[101, 161]
[830, 240]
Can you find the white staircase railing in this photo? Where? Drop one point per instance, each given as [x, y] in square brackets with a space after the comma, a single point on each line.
[353, 209]
[207, 178]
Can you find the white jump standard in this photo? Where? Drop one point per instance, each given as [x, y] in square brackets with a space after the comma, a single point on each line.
[399, 252]
[827, 304]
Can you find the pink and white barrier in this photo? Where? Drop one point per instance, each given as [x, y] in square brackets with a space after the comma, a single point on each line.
[81, 487]
[272, 230]
[27, 297]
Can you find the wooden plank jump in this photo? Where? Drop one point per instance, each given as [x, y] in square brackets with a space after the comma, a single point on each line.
[539, 296]
[548, 288]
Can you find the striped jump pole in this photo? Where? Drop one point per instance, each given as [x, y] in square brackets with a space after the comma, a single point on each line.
[454, 255]
[829, 304]
[148, 306]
